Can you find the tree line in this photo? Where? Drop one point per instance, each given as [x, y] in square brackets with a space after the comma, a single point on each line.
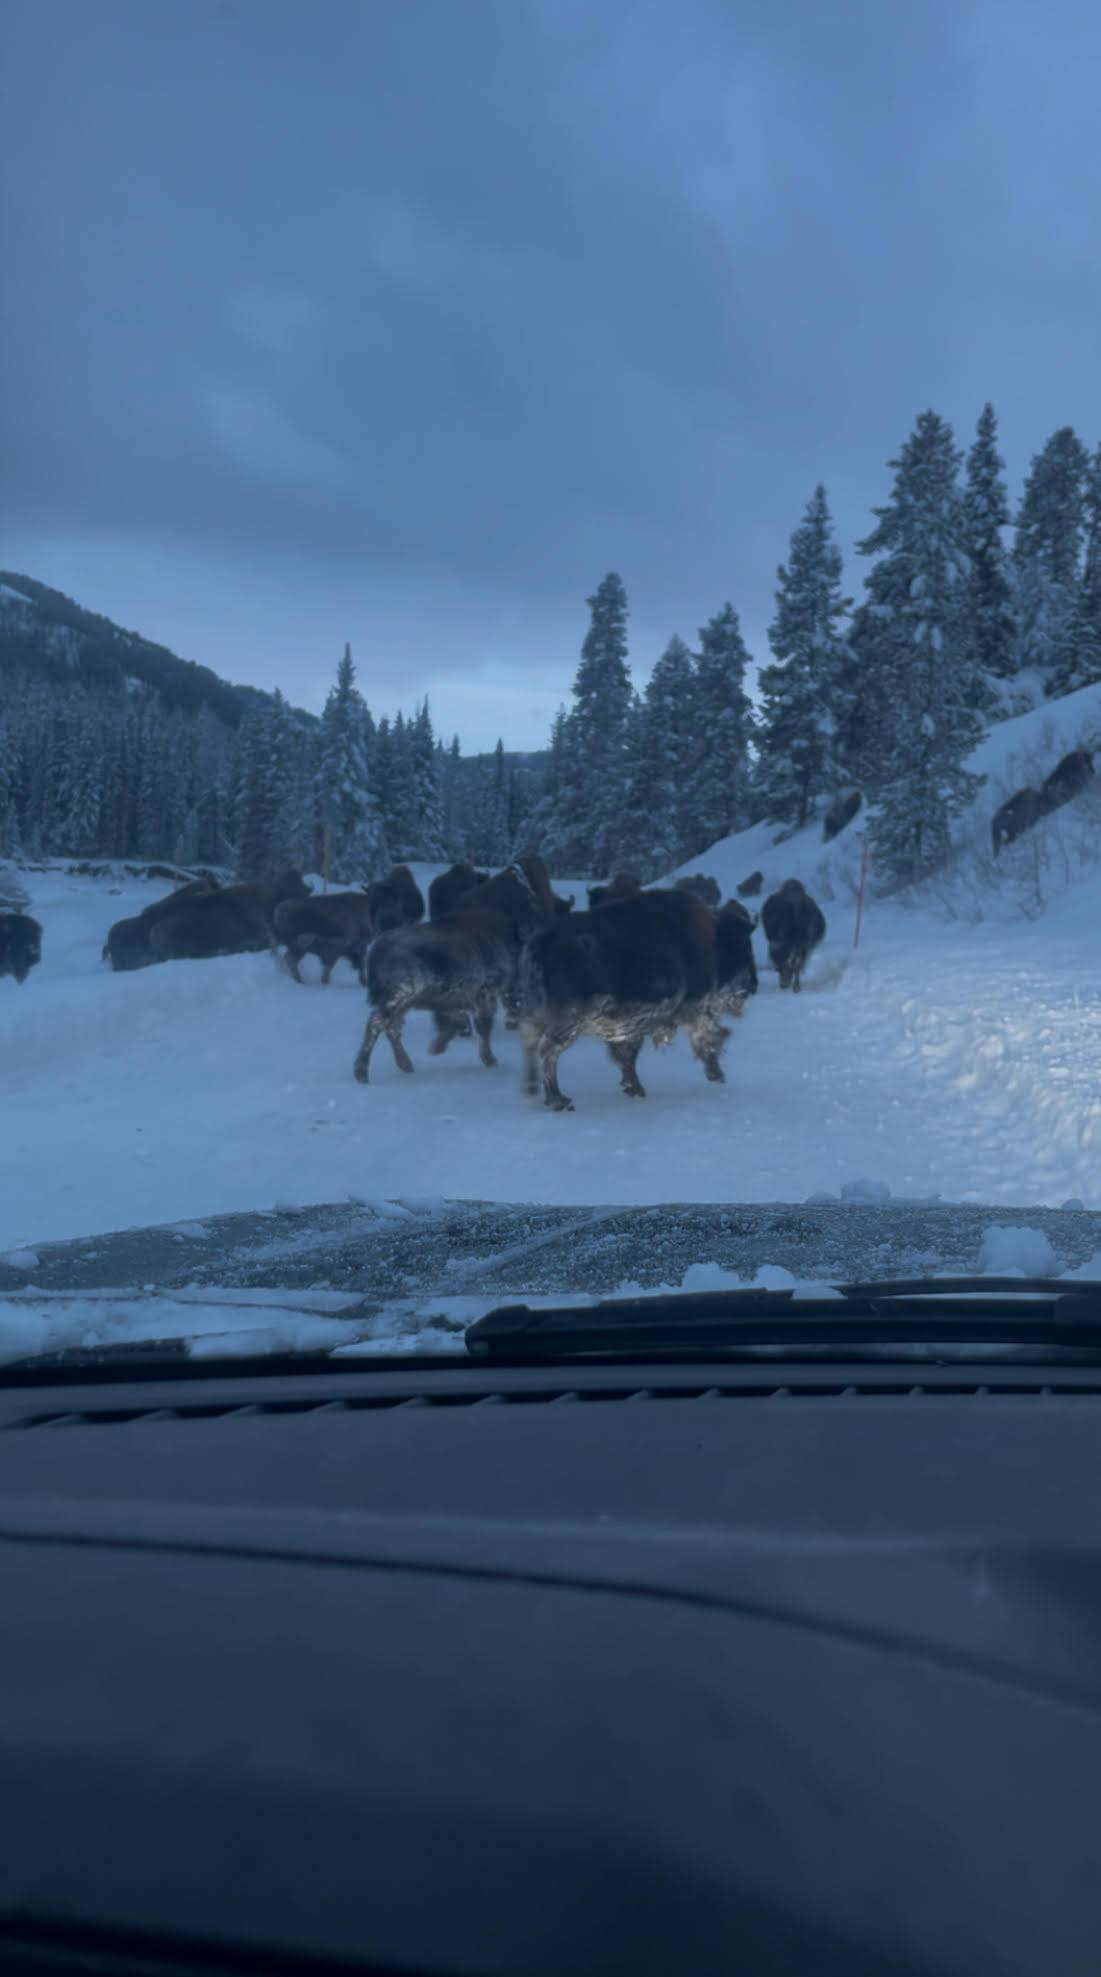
[961, 623]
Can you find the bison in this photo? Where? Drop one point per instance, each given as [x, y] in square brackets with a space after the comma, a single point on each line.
[340, 926]
[752, 887]
[793, 925]
[458, 966]
[448, 888]
[841, 812]
[128, 944]
[234, 920]
[629, 969]
[704, 887]
[1017, 815]
[1067, 778]
[20, 945]
[624, 886]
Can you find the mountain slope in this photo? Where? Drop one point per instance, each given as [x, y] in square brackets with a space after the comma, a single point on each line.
[43, 632]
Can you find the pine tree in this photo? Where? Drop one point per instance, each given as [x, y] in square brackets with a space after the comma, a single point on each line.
[717, 798]
[451, 800]
[801, 715]
[988, 596]
[664, 752]
[1046, 559]
[1088, 613]
[348, 808]
[916, 592]
[587, 825]
[401, 805]
[428, 829]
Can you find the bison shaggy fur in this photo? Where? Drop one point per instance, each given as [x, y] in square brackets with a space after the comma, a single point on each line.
[129, 945]
[793, 924]
[235, 920]
[20, 945]
[458, 966]
[627, 970]
[1017, 815]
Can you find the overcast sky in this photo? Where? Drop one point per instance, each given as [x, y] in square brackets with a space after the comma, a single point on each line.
[402, 321]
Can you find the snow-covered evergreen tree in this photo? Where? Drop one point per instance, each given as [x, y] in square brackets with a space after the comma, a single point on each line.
[717, 796]
[585, 829]
[451, 801]
[988, 596]
[428, 832]
[1088, 614]
[1047, 554]
[663, 748]
[916, 599]
[801, 696]
[401, 794]
[350, 817]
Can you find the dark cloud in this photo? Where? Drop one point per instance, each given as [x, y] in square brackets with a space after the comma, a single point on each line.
[405, 320]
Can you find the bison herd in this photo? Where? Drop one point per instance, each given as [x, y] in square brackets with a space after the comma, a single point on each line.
[635, 965]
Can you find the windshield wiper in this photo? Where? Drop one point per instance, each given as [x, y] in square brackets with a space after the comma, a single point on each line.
[954, 1311]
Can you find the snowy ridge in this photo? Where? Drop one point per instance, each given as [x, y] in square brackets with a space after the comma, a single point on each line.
[1062, 852]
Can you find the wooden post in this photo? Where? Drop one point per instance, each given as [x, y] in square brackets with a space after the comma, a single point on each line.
[861, 892]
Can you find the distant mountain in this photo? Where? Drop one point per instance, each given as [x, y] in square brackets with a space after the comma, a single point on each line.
[43, 632]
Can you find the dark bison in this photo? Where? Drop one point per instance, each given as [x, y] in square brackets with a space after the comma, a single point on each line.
[840, 813]
[340, 926]
[793, 924]
[448, 888]
[20, 945]
[752, 887]
[234, 920]
[1067, 778]
[1017, 814]
[624, 886]
[458, 966]
[128, 945]
[628, 970]
[704, 887]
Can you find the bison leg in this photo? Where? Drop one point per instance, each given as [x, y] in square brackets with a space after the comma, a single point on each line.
[327, 972]
[531, 1068]
[290, 963]
[707, 1039]
[485, 1010]
[554, 1098]
[625, 1057]
[445, 1028]
[378, 1022]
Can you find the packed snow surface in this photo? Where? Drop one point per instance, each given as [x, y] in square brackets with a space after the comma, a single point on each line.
[939, 1059]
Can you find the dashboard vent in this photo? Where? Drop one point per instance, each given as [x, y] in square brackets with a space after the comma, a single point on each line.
[792, 1389]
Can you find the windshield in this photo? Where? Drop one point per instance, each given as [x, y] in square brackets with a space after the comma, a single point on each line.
[550, 660]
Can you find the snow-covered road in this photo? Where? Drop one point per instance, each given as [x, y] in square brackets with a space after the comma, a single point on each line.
[939, 1060]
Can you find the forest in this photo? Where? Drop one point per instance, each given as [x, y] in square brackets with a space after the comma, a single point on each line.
[971, 610]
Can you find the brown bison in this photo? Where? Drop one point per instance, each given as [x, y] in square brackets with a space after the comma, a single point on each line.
[128, 944]
[624, 886]
[340, 926]
[20, 945]
[840, 813]
[628, 970]
[793, 924]
[1067, 779]
[1017, 815]
[752, 887]
[704, 887]
[234, 920]
[458, 966]
[448, 888]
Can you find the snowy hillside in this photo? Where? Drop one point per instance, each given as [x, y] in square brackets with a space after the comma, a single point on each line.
[1059, 854]
[938, 1060]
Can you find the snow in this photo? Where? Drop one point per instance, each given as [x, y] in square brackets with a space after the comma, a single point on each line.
[1005, 1251]
[939, 1060]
